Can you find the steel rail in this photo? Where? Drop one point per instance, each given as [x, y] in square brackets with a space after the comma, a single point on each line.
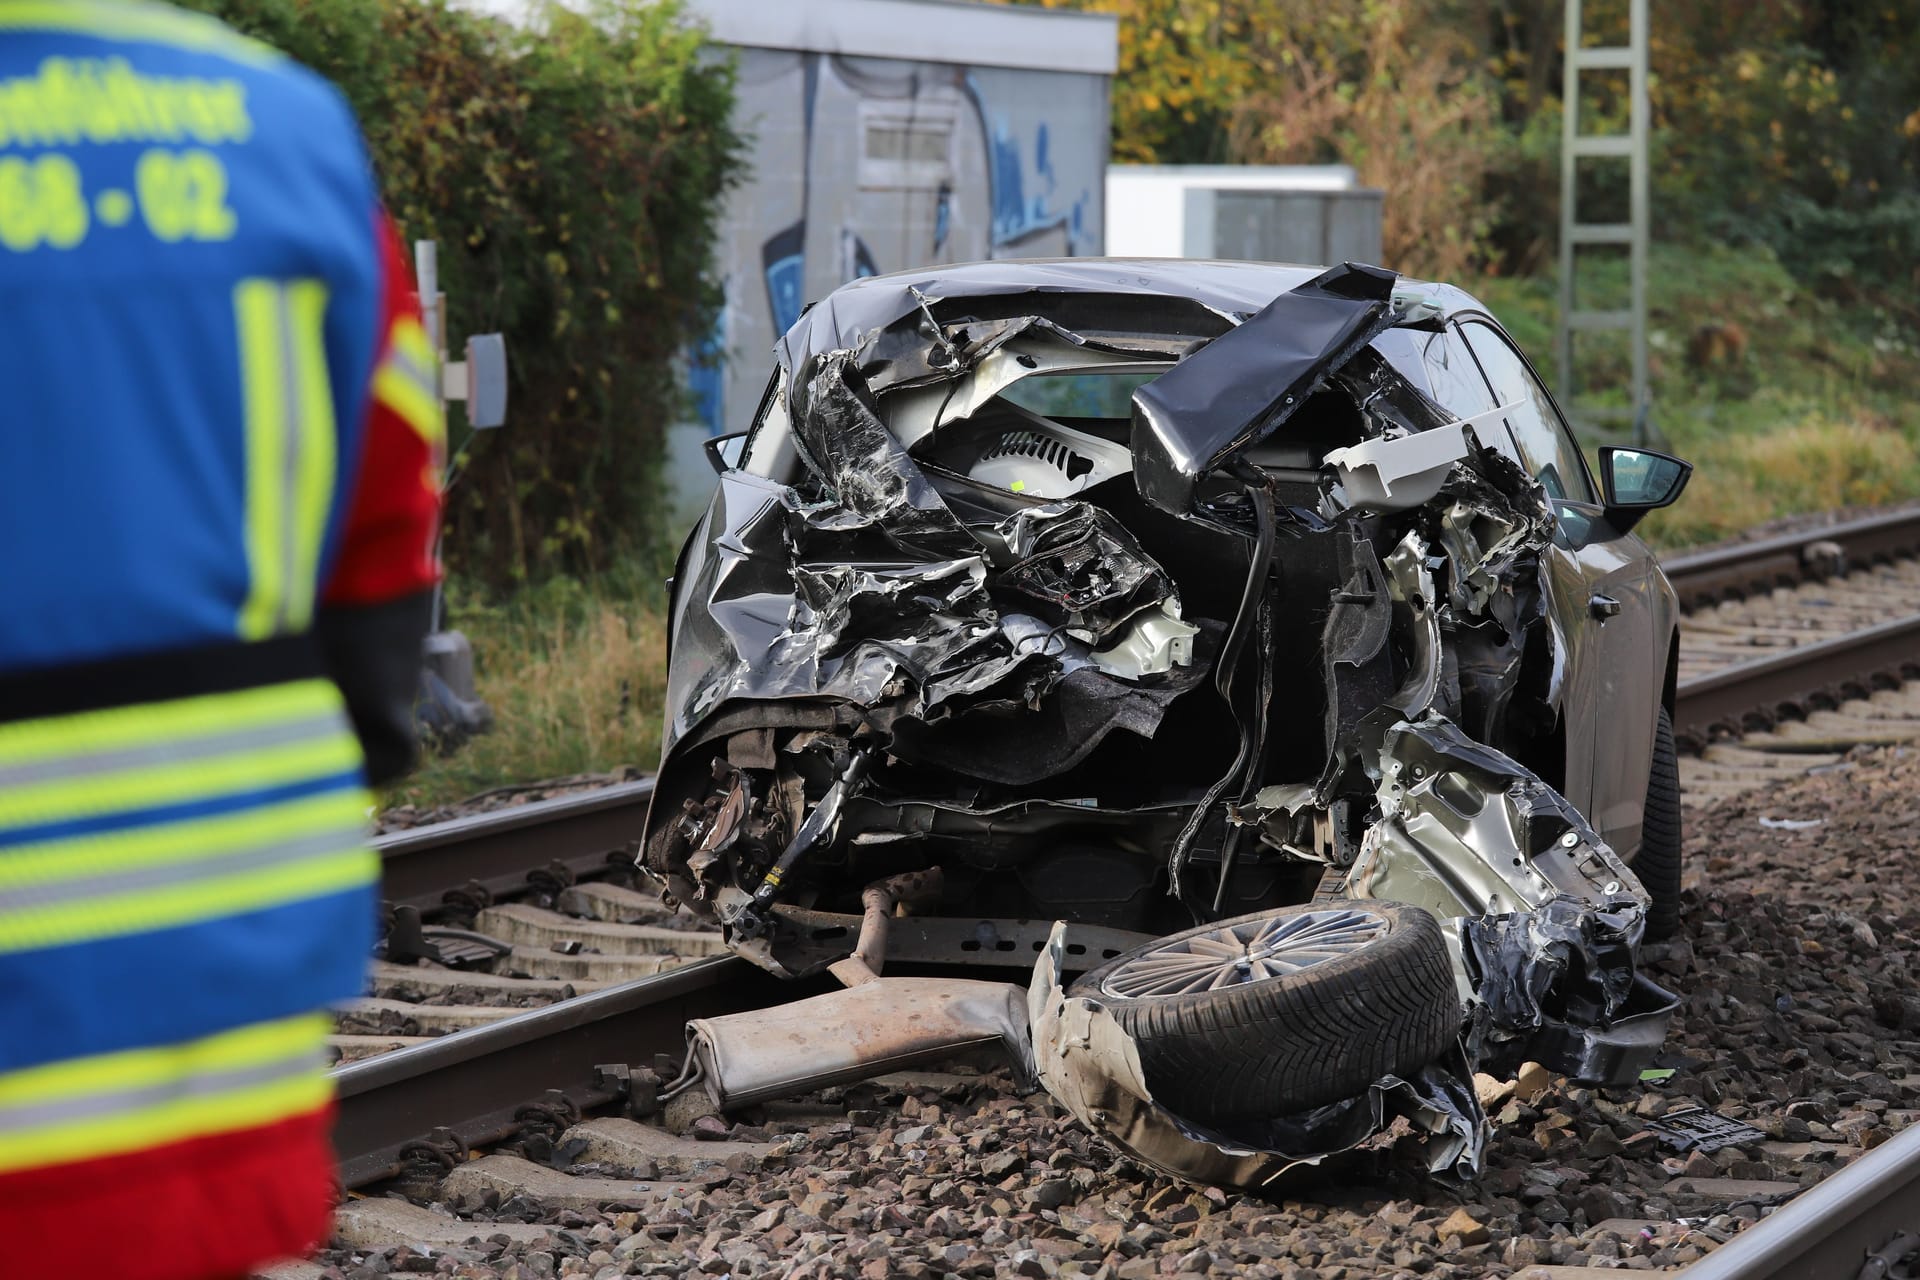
[497, 850]
[1829, 1231]
[481, 1085]
[1704, 577]
[1756, 691]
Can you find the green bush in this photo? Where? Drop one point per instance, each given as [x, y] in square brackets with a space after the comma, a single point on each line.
[572, 172]
[1849, 251]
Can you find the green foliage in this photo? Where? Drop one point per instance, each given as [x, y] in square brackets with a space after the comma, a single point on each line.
[1391, 87]
[575, 671]
[572, 173]
[1852, 251]
[1793, 124]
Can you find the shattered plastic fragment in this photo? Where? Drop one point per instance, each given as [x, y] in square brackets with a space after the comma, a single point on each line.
[1401, 473]
[1698, 1129]
[1791, 824]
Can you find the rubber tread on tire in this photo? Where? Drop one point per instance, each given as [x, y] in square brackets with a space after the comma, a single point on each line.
[1286, 1043]
[1658, 862]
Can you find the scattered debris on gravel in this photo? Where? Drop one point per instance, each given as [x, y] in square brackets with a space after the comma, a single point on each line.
[1800, 1019]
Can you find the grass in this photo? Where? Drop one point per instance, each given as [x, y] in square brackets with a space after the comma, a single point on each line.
[575, 672]
[1818, 414]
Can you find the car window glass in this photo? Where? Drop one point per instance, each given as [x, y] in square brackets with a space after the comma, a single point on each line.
[1402, 349]
[1544, 442]
[1457, 384]
[1105, 393]
[769, 444]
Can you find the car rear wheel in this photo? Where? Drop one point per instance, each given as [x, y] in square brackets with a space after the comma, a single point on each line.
[1658, 862]
[1275, 1012]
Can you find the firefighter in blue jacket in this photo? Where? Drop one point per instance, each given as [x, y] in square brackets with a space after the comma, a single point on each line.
[219, 443]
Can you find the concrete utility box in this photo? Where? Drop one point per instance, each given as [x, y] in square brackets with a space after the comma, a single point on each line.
[886, 135]
[1314, 214]
[883, 135]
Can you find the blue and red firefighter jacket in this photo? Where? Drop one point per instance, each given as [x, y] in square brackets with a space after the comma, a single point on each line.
[219, 444]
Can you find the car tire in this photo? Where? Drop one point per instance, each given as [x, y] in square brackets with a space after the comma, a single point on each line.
[1325, 1000]
[1658, 862]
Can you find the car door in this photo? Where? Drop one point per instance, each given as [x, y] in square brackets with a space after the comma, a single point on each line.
[1601, 598]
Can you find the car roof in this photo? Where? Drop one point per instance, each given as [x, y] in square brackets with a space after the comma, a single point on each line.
[1233, 289]
[1224, 283]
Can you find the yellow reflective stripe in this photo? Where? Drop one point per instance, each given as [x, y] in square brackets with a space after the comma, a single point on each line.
[151, 723]
[102, 853]
[418, 407]
[146, 910]
[288, 406]
[284, 1055]
[409, 338]
[137, 1068]
[314, 472]
[154, 24]
[65, 798]
[406, 382]
[256, 305]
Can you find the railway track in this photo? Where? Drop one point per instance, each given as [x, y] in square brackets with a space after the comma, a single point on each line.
[1863, 1223]
[487, 855]
[1793, 650]
[560, 984]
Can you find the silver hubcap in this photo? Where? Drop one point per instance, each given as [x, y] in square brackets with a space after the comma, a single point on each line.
[1250, 951]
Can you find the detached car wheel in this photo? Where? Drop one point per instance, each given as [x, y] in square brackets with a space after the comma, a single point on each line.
[1658, 862]
[1278, 1011]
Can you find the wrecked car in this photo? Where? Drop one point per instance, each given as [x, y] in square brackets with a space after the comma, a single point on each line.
[1251, 640]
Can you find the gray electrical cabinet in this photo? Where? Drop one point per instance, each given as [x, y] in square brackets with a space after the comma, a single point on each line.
[1311, 227]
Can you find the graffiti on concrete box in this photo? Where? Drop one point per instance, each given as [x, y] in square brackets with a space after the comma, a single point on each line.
[861, 166]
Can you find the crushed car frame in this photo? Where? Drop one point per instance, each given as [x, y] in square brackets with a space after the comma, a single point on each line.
[1262, 626]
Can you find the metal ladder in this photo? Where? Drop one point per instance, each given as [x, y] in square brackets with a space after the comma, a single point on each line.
[1632, 145]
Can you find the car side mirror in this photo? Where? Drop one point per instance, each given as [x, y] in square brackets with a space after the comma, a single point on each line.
[724, 452]
[1636, 481]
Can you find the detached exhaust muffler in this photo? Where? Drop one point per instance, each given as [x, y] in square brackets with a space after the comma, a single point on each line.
[875, 1026]
[881, 1025]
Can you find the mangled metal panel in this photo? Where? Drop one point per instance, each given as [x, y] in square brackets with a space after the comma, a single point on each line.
[1199, 299]
[1246, 383]
[1548, 917]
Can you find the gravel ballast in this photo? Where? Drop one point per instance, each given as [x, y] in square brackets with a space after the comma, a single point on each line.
[1801, 1017]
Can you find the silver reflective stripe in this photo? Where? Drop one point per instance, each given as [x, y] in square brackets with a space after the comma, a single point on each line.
[93, 764]
[289, 460]
[187, 871]
[22, 1117]
[415, 373]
